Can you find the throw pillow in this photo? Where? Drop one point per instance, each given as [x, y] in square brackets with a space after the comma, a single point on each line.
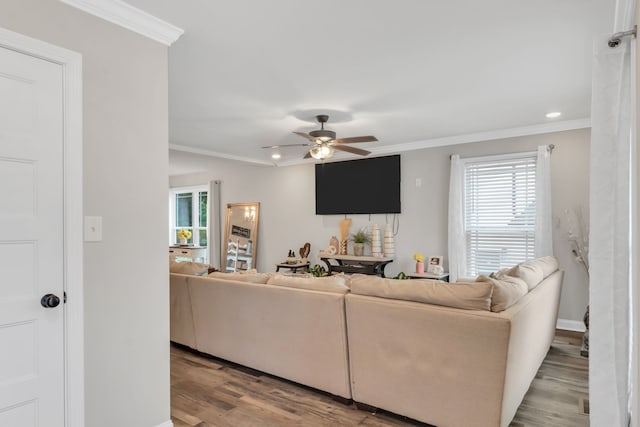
[192, 268]
[249, 277]
[328, 284]
[507, 290]
[465, 295]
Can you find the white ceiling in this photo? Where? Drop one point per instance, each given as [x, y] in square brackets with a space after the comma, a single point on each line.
[414, 73]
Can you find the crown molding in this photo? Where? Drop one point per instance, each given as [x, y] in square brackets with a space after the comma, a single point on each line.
[415, 145]
[131, 18]
[210, 153]
[485, 136]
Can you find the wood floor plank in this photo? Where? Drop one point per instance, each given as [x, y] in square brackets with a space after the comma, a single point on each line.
[206, 391]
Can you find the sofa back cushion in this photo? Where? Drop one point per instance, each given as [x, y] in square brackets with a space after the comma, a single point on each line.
[327, 284]
[186, 267]
[506, 291]
[465, 295]
[532, 272]
[250, 277]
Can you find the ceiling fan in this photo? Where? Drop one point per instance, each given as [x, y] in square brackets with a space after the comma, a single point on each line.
[324, 142]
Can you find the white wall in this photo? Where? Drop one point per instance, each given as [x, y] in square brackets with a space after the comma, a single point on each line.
[288, 217]
[125, 108]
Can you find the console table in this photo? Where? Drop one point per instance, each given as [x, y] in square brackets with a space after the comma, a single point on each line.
[294, 266]
[192, 253]
[355, 264]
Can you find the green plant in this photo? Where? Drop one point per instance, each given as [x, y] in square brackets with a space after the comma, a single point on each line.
[402, 276]
[318, 271]
[360, 236]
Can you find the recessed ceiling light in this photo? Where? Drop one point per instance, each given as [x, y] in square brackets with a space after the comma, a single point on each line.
[275, 156]
[553, 115]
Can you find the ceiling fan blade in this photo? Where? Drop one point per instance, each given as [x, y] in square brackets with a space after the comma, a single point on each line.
[304, 135]
[287, 145]
[349, 149]
[368, 138]
[308, 155]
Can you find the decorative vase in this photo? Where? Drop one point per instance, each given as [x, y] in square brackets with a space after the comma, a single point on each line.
[358, 249]
[343, 247]
[183, 241]
[376, 243]
[389, 249]
[420, 267]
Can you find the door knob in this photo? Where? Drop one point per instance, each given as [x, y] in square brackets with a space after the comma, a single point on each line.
[50, 301]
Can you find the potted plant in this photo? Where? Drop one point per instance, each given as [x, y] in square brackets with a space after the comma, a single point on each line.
[359, 238]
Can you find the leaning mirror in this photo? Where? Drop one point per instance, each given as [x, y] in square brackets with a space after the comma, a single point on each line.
[240, 237]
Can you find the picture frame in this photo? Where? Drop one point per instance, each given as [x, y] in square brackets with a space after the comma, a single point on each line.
[434, 264]
[435, 260]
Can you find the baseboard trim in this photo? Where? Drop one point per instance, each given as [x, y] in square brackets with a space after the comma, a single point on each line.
[570, 325]
[166, 424]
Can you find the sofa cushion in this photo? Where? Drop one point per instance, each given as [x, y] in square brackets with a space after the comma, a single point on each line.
[465, 295]
[507, 290]
[186, 267]
[534, 271]
[328, 284]
[249, 276]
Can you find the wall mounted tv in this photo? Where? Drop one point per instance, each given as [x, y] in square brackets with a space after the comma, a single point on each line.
[366, 186]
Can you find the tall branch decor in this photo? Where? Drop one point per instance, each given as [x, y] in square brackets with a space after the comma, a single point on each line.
[578, 237]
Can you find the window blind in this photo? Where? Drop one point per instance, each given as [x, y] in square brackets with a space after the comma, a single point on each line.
[499, 212]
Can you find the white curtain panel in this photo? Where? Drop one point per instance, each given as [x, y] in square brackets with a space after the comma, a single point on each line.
[543, 233]
[457, 251]
[609, 249]
[214, 223]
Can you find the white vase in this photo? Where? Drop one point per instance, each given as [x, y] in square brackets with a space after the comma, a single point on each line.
[389, 247]
[183, 241]
[376, 243]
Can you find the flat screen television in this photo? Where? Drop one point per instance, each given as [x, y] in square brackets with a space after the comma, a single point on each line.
[365, 186]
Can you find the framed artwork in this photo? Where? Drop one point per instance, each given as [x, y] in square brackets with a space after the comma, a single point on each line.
[436, 260]
[434, 265]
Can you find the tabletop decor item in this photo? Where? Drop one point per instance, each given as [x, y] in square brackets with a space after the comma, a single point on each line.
[376, 243]
[334, 243]
[304, 252]
[359, 238]
[344, 233]
[389, 247]
[419, 262]
[184, 235]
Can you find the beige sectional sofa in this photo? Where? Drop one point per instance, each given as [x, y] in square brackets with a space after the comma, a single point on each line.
[428, 350]
[294, 333]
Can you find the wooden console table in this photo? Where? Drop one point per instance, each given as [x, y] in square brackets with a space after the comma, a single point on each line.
[356, 264]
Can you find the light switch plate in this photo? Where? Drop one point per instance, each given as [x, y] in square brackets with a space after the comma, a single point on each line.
[92, 228]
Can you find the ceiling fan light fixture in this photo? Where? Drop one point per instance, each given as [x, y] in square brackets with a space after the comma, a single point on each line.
[323, 135]
[321, 152]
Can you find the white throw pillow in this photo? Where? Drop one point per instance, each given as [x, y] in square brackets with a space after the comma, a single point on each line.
[250, 277]
[192, 268]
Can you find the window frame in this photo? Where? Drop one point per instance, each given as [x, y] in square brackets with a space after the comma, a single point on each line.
[195, 213]
[471, 266]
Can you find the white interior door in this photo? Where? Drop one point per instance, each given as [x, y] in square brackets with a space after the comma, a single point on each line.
[31, 242]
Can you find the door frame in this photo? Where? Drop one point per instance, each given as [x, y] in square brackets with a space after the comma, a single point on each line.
[71, 63]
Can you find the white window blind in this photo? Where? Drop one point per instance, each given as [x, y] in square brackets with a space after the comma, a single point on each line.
[499, 212]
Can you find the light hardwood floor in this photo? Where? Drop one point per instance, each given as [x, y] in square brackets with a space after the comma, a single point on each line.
[207, 391]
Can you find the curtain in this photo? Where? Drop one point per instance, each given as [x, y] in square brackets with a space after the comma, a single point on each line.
[543, 233]
[457, 244]
[609, 249]
[214, 224]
